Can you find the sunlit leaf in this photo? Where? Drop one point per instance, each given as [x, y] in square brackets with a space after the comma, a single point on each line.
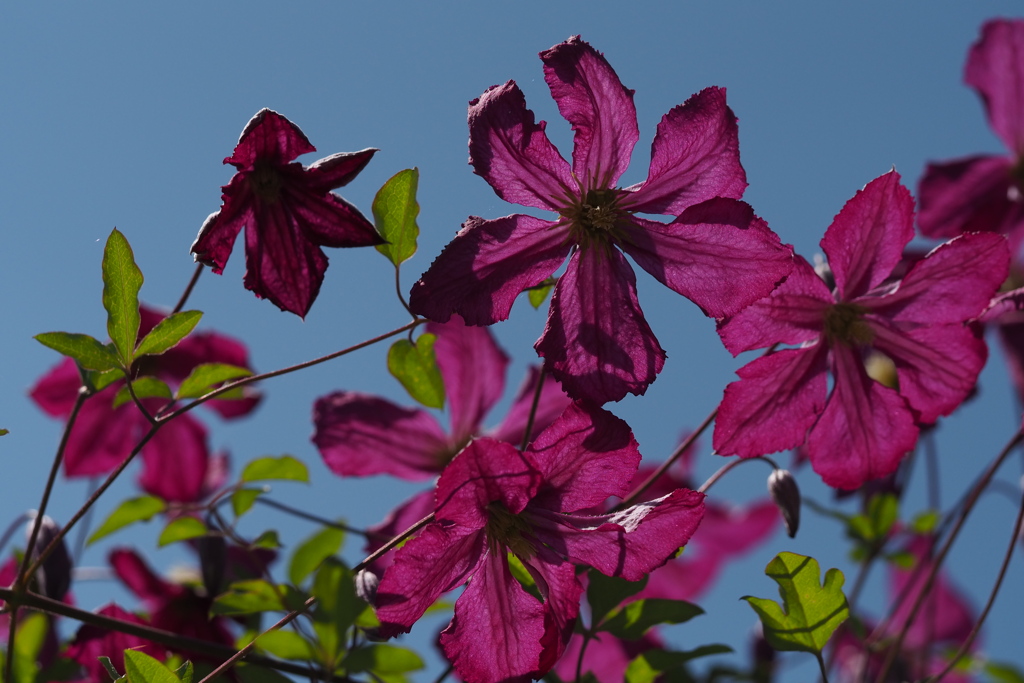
[168, 332]
[382, 660]
[394, 214]
[122, 281]
[633, 620]
[181, 529]
[87, 351]
[649, 666]
[415, 366]
[285, 467]
[337, 606]
[206, 377]
[144, 387]
[312, 551]
[255, 595]
[523, 576]
[810, 611]
[185, 672]
[141, 509]
[268, 539]
[538, 293]
[287, 645]
[604, 593]
[27, 645]
[141, 668]
[243, 499]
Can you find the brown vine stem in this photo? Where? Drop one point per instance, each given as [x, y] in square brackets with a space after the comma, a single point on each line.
[1017, 525]
[292, 368]
[393, 542]
[972, 499]
[713, 479]
[188, 288]
[533, 410]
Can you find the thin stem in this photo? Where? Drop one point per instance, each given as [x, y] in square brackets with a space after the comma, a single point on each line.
[314, 518]
[393, 542]
[138, 404]
[713, 479]
[91, 501]
[972, 499]
[188, 288]
[821, 665]
[579, 660]
[687, 442]
[398, 291]
[533, 410]
[284, 371]
[445, 674]
[991, 598]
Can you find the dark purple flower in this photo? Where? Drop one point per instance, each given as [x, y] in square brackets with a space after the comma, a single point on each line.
[716, 253]
[494, 500]
[288, 212]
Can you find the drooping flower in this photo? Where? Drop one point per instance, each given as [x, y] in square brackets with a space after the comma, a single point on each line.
[862, 429]
[716, 253]
[985, 192]
[176, 461]
[288, 212]
[494, 500]
[361, 435]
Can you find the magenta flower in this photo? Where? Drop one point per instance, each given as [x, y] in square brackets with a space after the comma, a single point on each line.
[493, 500]
[92, 642]
[360, 435]
[176, 462]
[862, 429]
[716, 253]
[288, 212]
[985, 192]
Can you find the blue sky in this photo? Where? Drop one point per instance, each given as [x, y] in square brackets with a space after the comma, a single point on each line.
[119, 114]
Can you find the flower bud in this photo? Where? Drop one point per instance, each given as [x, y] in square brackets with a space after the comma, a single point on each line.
[366, 585]
[786, 495]
[54, 575]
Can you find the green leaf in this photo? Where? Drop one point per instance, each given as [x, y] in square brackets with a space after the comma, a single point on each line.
[1001, 672]
[925, 522]
[206, 377]
[538, 293]
[109, 666]
[312, 551]
[141, 668]
[98, 381]
[168, 332]
[382, 660]
[604, 593]
[523, 576]
[181, 529]
[810, 612]
[633, 620]
[243, 499]
[268, 539]
[883, 510]
[394, 213]
[650, 665]
[287, 645]
[416, 368]
[144, 387]
[185, 672]
[255, 595]
[336, 609]
[27, 645]
[4, 432]
[254, 673]
[285, 467]
[122, 281]
[87, 351]
[141, 509]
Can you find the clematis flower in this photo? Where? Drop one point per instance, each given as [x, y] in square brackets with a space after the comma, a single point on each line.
[288, 212]
[92, 642]
[985, 192]
[862, 429]
[716, 253]
[493, 500]
[176, 463]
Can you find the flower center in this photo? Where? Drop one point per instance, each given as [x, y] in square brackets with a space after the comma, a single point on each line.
[595, 217]
[506, 529]
[845, 324]
[265, 181]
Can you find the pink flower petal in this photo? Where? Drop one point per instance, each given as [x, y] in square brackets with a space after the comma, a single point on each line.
[397, 521]
[141, 580]
[937, 365]
[473, 368]
[591, 97]
[175, 461]
[793, 314]
[718, 255]
[337, 170]
[56, 391]
[865, 430]
[217, 235]
[485, 472]
[695, 156]
[995, 68]
[497, 631]
[439, 559]
[556, 580]
[597, 342]
[550, 405]
[629, 543]
[102, 437]
[359, 435]
[327, 220]
[955, 282]
[482, 271]
[585, 456]
[268, 135]
[866, 239]
[513, 154]
[969, 195]
[92, 642]
[773, 405]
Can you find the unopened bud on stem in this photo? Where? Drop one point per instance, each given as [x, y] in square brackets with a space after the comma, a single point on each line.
[784, 491]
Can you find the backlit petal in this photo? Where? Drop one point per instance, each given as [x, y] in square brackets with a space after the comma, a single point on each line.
[485, 472]
[995, 68]
[969, 195]
[550, 404]
[175, 461]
